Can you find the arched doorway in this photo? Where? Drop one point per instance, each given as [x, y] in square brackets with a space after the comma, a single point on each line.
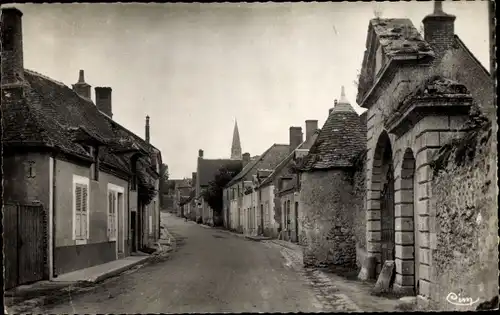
[382, 190]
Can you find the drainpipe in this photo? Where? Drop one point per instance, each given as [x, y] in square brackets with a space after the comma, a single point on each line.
[54, 274]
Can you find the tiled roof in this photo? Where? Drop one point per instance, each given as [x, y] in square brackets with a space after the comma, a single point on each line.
[52, 114]
[398, 37]
[268, 160]
[207, 169]
[339, 141]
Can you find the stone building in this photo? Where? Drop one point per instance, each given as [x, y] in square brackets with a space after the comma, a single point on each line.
[419, 93]
[330, 197]
[282, 184]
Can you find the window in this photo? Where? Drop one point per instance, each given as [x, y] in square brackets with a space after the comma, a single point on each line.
[80, 209]
[115, 208]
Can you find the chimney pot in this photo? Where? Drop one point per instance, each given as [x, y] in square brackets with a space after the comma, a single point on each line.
[311, 126]
[103, 100]
[12, 54]
[200, 153]
[295, 137]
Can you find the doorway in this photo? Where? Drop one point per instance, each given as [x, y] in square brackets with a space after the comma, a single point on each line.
[296, 234]
[121, 225]
[133, 229]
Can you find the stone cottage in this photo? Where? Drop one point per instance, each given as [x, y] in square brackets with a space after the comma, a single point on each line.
[240, 198]
[331, 194]
[93, 182]
[281, 183]
[423, 94]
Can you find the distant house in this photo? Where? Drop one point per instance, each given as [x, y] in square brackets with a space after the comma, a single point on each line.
[79, 188]
[283, 184]
[207, 169]
[240, 198]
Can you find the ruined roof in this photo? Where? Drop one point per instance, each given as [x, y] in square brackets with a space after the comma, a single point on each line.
[398, 37]
[438, 86]
[207, 168]
[53, 115]
[339, 141]
[268, 160]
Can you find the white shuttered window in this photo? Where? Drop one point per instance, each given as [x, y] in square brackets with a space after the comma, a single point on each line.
[81, 212]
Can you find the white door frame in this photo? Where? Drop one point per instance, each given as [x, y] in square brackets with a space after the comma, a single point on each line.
[120, 215]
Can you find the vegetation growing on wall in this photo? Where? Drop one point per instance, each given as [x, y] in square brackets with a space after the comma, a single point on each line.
[464, 149]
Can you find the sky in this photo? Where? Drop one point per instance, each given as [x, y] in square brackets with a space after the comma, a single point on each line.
[195, 68]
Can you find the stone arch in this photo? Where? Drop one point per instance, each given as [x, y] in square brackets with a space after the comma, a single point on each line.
[406, 257]
[380, 204]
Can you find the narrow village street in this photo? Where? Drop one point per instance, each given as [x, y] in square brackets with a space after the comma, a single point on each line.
[210, 271]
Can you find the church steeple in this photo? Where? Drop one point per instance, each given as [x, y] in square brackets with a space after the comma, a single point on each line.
[236, 147]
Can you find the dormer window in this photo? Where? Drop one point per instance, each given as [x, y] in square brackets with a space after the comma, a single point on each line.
[94, 168]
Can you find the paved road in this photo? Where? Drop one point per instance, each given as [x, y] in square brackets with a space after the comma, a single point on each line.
[211, 271]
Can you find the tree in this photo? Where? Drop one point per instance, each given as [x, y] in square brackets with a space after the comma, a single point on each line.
[163, 187]
[213, 193]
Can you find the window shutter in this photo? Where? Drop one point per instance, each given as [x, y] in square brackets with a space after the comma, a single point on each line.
[114, 214]
[84, 213]
[78, 210]
[110, 211]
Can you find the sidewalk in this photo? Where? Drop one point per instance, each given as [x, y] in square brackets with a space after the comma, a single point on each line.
[25, 297]
[353, 294]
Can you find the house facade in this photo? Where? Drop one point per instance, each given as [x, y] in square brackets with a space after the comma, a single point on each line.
[92, 179]
[426, 97]
[245, 209]
[207, 169]
[275, 188]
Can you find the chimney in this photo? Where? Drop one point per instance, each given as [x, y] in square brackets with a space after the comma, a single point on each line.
[103, 100]
[295, 137]
[81, 87]
[200, 154]
[12, 49]
[193, 179]
[311, 126]
[246, 158]
[439, 29]
[147, 129]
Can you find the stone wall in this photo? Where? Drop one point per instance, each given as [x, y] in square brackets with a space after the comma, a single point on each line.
[333, 211]
[466, 254]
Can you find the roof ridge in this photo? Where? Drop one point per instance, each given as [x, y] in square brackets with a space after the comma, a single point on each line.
[32, 72]
[284, 161]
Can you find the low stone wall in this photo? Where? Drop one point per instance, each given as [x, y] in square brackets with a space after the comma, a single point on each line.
[465, 257]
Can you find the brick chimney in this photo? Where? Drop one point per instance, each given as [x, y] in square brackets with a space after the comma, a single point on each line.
[200, 153]
[295, 137]
[12, 77]
[81, 87]
[103, 100]
[147, 129]
[439, 29]
[193, 179]
[245, 158]
[311, 126]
